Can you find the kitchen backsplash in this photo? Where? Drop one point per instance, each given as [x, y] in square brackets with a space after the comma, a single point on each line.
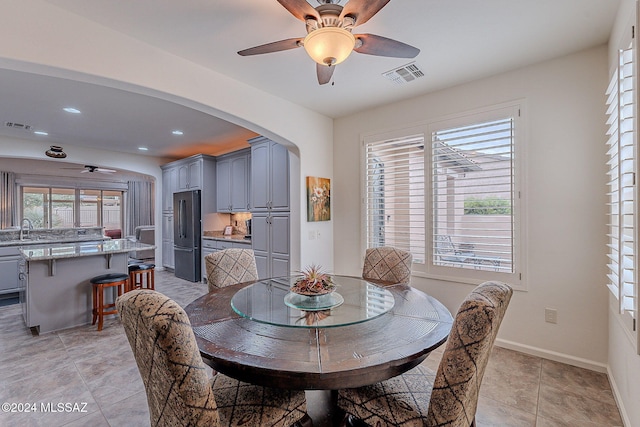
[216, 222]
[238, 222]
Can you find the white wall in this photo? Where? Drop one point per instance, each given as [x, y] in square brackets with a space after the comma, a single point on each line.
[624, 361]
[41, 38]
[564, 199]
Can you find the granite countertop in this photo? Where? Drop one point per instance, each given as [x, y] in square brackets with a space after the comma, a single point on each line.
[40, 242]
[79, 249]
[218, 235]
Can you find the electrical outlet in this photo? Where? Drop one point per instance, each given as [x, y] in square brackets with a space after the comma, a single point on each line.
[551, 315]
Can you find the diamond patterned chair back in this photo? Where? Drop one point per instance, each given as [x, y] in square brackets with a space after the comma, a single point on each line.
[179, 391]
[175, 378]
[387, 264]
[454, 398]
[451, 399]
[230, 266]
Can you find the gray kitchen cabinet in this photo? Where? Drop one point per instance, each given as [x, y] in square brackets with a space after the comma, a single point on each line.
[11, 263]
[269, 175]
[270, 241]
[190, 175]
[168, 258]
[232, 182]
[169, 186]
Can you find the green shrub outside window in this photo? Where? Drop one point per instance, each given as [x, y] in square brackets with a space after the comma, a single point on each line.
[487, 206]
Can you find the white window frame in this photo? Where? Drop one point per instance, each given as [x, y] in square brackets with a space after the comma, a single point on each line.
[516, 110]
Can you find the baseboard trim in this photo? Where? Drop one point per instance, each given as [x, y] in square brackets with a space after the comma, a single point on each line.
[616, 395]
[555, 356]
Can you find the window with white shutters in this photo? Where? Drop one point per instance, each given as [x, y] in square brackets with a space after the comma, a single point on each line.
[473, 194]
[622, 206]
[451, 199]
[394, 181]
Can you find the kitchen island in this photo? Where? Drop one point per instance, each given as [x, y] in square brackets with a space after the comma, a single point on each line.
[56, 292]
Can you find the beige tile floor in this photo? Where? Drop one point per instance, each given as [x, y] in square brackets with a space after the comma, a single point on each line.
[96, 371]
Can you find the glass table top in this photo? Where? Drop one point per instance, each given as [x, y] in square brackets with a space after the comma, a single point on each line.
[270, 301]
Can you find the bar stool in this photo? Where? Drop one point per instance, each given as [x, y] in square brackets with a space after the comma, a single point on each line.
[99, 285]
[141, 276]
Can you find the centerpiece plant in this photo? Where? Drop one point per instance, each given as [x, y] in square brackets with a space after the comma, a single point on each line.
[313, 282]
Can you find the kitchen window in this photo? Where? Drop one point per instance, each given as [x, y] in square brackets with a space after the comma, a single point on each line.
[50, 207]
[449, 195]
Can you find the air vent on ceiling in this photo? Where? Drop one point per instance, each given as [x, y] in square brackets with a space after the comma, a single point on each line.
[404, 74]
[15, 125]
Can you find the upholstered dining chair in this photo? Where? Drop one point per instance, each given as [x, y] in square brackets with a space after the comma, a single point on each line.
[387, 264]
[230, 266]
[451, 399]
[179, 390]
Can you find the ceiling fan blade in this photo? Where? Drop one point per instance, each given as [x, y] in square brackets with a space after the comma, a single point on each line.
[362, 10]
[382, 46]
[272, 47]
[300, 9]
[324, 73]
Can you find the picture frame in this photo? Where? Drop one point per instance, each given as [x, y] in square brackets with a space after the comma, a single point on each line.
[318, 199]
[228, 230]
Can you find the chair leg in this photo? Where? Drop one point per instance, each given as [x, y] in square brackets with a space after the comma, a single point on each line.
[95, 304]
[100, 307]
[151, 280]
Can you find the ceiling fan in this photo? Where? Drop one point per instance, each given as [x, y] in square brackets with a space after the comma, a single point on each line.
[93, 169]
[329, 39]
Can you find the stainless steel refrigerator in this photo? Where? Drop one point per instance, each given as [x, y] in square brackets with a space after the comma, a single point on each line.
[186, 235]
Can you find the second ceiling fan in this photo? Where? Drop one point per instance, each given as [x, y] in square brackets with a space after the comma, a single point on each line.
[329, 38]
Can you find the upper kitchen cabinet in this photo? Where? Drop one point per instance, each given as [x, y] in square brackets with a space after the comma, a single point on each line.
[190, 175]
[193, 173]
[269, 175]
[232, 183]
[169, 186]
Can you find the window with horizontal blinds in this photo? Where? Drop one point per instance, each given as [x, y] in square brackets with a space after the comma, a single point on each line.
[446, 192]
[394, 181]
[472, 195]
[622, 204]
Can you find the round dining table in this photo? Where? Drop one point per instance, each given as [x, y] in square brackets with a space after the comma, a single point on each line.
[362, 333]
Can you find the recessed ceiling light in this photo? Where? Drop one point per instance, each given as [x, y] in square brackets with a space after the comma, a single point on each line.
[41, 132]
[177, 132]
[143, 149]
[72, 110]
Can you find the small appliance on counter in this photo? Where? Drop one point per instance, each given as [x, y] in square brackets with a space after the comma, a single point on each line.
[248, 226]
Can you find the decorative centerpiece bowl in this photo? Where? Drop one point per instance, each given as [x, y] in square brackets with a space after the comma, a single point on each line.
[314, 282]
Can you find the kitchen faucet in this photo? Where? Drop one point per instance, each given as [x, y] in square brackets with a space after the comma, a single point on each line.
[29, 227]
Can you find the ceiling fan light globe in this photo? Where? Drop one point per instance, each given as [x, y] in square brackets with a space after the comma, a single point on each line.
[329, 45]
